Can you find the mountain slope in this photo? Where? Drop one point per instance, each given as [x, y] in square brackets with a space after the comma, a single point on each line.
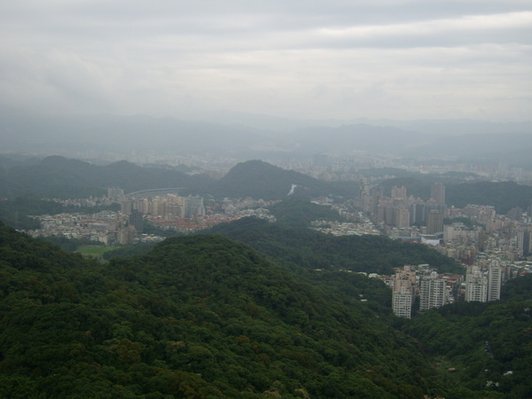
[57, 176]
[482, 342]
[259, 179]
[197, 317]
[310, 249]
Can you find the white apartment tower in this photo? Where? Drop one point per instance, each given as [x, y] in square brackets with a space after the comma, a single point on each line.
[476, 285]
[432, 292]
[404, 292]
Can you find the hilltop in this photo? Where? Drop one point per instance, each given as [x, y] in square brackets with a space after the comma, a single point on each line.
[205, 316]
[196, 317]
[56, 176]
[260, 179]
[310, 249]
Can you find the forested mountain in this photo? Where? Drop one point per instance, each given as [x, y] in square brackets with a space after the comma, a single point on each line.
[502, 195]
[197, 317]
[482, 347]
[311, 249]
[56, 176]
[61, 177]
[298, 212]
[205, 317]
[259, 179]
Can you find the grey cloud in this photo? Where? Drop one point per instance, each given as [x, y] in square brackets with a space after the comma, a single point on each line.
[294, 58]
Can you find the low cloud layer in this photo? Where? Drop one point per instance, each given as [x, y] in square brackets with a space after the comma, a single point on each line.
[297, 59]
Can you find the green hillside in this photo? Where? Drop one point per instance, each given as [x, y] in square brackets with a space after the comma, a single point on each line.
[205, 317]
[310, 249]
[297, 212]
[259, 179]
[57, 176]
[482, 342]
[198, 317]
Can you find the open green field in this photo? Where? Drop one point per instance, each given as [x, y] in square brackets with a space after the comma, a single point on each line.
[95, 251]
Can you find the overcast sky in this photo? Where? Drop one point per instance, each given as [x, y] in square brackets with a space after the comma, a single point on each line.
[336, 59]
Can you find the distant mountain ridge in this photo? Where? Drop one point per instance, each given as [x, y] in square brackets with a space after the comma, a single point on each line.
[56, 176]
[260, 179]
[502, 195]
[126, 134]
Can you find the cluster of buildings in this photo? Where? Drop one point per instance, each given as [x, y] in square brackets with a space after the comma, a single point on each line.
[189, 214]
[100, 227]
[507, 238]
[493, 247]
[402, 211]
[433, 290]
[105, 227]
[127, 226]
[460, 233]
[344, 228]
[168, 207]
[483, 285]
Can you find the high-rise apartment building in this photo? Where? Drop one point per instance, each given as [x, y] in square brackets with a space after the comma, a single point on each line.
[435, 221]
[418, 214]
[399, 193]
[194, 207]
[524, 240]
[404, 292]
[494, 281]
[437, 193]
[476, 285]
[136, 220]
[401, 217]
[432, 293]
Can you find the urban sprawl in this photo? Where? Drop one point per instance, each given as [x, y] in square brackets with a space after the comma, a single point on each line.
[492, 248]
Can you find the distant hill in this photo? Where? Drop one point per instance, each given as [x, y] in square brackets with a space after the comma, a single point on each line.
[57, 176]
[297, 212]
[259, 179]
[205, 317]
[197, 317]
[502, 195]
[310, 249]
[251, 136]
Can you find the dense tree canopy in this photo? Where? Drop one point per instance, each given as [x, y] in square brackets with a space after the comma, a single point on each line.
[196, 317]
[311, 249]
[206, 317]
[487, 346]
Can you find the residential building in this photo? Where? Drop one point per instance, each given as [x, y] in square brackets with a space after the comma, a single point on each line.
[432, 292]
[494, 281]
[476, 285]
[404, 292]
